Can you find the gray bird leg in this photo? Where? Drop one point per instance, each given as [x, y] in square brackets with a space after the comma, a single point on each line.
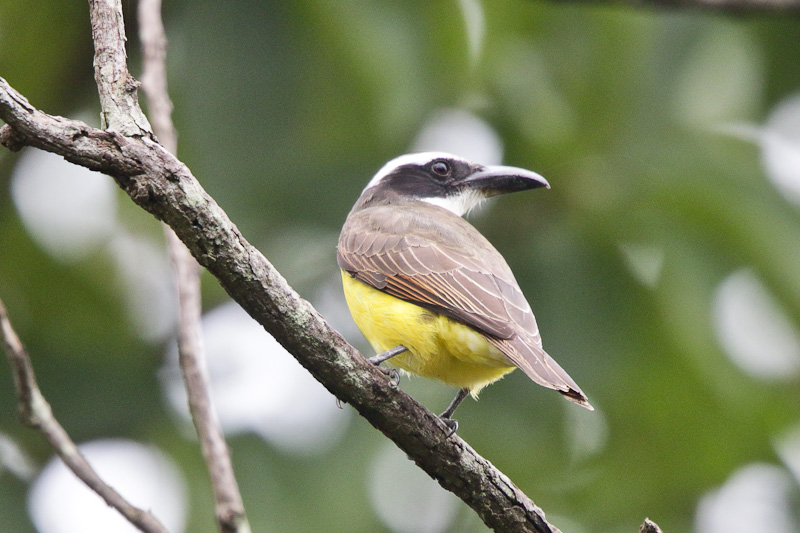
[388, 354]
[447, 415]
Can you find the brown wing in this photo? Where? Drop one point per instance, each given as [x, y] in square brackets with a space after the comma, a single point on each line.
[437, 260]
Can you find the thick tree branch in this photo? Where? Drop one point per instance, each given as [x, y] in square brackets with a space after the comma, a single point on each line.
[36, 413]
[230, 512]
[731, 6]
[164, 187]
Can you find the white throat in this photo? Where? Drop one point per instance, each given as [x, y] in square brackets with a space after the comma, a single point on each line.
[459, 204]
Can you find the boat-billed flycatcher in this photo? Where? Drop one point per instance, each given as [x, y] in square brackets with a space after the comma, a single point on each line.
[428, 290]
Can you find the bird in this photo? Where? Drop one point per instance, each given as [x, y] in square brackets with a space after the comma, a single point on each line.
[429, 292]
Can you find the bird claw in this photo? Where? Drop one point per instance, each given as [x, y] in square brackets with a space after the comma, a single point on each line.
[392, 374]
[451, 423]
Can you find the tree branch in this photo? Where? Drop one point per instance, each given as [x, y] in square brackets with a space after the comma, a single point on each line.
[230, 512]
[163, 186]
[119, 100]
[648, 526]
[154, 72]
[732, 6]
[36, 413]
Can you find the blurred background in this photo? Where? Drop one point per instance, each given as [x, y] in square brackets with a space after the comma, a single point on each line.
[663, 266]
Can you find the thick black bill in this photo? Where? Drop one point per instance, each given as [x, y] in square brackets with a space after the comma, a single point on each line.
[495, 180]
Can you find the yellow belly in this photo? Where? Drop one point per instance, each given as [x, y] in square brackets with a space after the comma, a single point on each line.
[438, 347]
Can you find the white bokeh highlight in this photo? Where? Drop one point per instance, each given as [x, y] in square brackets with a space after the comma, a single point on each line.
[257, 386]
[780, 148]
[753, 330]
[14, 459]
[586, 431]
[460, 132]
[787, 446]
[68, 210]
[405, 498]
[756, 497]
[779, 141]
[59, 503]
[722, 79]
[475, 27]
[146, 279]
[645, 262]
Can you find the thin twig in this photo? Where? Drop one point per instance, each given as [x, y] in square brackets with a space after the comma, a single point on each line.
[230, 511]
[36, 413]
[154, 72]
[648, 526]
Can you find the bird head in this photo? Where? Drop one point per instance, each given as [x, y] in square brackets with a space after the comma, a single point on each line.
[445, 180]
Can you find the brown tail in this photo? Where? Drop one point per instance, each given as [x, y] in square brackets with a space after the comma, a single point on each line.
[541, 368]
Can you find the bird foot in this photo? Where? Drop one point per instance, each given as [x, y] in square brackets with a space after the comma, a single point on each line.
[392, 374]
[451, 423]
[381, 357]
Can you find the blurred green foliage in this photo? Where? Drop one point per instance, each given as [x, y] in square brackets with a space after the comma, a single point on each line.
[286, 109]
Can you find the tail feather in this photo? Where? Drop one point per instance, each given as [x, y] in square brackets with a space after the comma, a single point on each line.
[578, 397]
[541, 368]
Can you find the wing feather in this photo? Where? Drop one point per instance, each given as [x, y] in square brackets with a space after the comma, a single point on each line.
[469, 283]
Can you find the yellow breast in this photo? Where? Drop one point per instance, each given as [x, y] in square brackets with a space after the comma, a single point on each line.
[438, 347]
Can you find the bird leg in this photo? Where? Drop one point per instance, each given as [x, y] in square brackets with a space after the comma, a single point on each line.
[388, 354]
[447, 415]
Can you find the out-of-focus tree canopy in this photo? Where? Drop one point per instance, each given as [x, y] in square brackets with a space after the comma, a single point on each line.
[663, 266]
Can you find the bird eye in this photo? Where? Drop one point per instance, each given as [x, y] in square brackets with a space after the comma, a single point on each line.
[441, 168]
